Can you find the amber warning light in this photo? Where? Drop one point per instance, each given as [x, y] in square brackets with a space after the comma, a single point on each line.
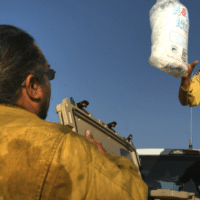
[83, 104]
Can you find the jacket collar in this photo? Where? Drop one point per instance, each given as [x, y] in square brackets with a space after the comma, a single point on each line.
[10, 105]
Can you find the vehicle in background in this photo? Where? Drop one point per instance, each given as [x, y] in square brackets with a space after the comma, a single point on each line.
[171, 173]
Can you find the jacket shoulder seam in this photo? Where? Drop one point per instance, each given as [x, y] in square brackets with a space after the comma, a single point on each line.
[47, 165]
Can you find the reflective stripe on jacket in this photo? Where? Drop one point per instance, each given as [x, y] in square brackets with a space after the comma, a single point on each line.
[48, 161]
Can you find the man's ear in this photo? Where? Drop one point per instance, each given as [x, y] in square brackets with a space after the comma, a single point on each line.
[33, 88]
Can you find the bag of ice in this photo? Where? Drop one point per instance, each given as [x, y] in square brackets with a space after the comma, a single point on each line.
[169, 21]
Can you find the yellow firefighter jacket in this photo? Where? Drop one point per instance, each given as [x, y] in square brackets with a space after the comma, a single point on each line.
[48, 161]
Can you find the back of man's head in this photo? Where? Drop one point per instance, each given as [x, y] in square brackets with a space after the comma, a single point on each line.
[19, 57]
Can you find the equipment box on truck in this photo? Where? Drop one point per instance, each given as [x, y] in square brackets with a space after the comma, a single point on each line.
[80, 120]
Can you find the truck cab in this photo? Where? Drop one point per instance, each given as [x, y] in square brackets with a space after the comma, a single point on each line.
[171, 173]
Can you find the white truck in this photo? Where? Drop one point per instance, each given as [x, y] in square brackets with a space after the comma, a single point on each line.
[171, 173]
[161, 169]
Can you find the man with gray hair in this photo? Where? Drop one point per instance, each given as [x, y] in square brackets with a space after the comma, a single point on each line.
[43, 160]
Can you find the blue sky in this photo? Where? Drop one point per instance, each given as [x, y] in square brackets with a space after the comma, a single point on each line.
[100, 51]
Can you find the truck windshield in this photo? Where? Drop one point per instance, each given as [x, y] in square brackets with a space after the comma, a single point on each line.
[161, 172]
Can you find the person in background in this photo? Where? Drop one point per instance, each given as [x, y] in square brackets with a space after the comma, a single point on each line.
[43, 160]
[192, 172]
[189, 92]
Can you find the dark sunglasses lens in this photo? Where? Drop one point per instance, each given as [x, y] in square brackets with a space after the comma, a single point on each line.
[51, 74]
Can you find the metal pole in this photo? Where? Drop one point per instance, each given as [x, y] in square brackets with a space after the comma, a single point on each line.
[190, 145]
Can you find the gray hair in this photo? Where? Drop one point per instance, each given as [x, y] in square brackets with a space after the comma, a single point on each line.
[19, 57]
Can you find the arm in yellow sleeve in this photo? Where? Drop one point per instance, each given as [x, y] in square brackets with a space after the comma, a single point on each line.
[80, 171]
[190, 96]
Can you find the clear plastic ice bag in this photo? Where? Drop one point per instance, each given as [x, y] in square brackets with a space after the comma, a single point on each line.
[169, 21]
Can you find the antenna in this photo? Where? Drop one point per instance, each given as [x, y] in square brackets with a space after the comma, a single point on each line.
[190, 145]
